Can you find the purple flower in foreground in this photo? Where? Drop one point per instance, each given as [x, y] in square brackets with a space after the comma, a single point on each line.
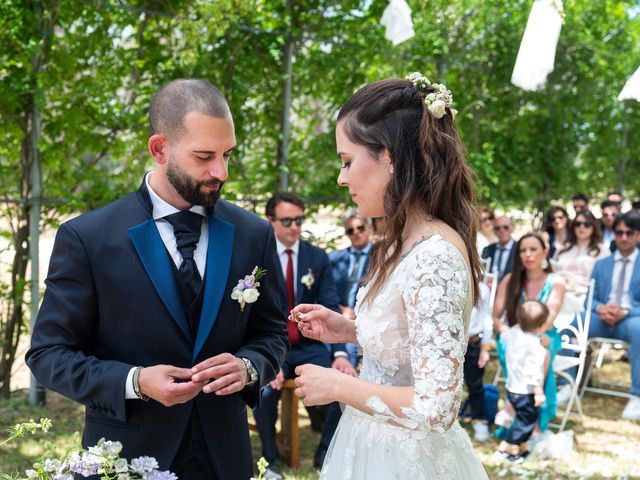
[157, 475]
[144, 464]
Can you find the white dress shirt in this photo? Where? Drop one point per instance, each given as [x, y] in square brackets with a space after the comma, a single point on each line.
[284, 260]
[481, 319]
[160, 210]
[625, 302]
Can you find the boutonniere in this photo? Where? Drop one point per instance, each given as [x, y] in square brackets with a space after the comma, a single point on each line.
[246, 291]
[308, 279]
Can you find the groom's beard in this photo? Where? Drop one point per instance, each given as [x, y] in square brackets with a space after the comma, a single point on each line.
[190, 189]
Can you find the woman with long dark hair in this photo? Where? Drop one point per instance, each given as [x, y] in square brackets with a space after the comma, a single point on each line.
[532, 278]
[557, 227]
[576, 260]
[402, 159]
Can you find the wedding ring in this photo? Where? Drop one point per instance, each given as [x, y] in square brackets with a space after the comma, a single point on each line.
[182, 401]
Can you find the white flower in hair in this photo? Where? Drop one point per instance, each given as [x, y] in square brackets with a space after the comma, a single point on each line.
[437, 108]
[436, 100]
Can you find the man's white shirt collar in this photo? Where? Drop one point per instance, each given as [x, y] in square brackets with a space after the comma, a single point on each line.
[617, 256]
[161, 208]
[280, 247]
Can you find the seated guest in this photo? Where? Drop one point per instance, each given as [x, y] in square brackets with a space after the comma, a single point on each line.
[616, 299]
[305, 277]
[349, 265]
[485, 233]
[580, 202]
[501, 253]
[557, 229]
[575, 261]
[528, 363]
[532, 279]
[616, 197]
[476, 358]
[609, 211]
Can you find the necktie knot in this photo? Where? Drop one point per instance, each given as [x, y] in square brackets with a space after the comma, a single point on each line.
[187, 227]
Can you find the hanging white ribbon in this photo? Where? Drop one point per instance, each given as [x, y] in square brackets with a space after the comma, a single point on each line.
[631, 90]
[538, 48]
[396, 18]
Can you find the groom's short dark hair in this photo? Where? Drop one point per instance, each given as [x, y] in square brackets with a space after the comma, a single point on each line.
[273, 202]
[172, 102]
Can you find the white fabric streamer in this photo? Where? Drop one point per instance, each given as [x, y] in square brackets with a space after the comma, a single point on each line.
[396, 18]
[538, 48]
[631, 90]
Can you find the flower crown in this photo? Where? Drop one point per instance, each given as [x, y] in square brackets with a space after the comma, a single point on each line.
[437, 99]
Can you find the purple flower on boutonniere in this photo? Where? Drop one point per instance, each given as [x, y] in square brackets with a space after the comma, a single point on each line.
[246, 291]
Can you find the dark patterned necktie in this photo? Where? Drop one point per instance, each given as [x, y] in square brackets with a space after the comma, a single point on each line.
[187, 226]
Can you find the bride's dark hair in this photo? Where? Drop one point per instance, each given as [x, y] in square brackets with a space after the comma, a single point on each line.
[430, 172]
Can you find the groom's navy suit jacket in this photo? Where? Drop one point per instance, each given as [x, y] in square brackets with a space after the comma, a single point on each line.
[112, 303]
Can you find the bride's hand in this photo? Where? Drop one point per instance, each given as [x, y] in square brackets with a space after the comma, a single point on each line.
[320, 323]
[317, 385]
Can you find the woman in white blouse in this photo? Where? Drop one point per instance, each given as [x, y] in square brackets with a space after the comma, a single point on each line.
[575, 262]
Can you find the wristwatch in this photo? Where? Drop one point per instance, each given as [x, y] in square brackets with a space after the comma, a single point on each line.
[136, 385]
[252, 373]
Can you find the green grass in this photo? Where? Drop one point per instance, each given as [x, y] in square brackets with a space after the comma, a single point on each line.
[606, 446]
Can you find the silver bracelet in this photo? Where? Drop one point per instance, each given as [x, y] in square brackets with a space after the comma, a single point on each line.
[136, 385]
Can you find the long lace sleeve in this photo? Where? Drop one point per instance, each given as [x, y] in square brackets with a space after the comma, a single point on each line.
[434, 294]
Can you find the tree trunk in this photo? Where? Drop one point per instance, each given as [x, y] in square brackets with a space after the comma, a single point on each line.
[15, 303]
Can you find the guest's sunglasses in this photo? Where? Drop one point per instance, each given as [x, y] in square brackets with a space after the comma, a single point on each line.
[351, 230]
[501, 227]
[287, 221]
[582, 224]
[625, 233]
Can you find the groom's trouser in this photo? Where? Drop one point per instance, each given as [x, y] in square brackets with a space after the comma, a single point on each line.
[267, 414]
[192, 461]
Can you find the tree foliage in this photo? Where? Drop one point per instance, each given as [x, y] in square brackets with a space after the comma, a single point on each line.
[87, 70]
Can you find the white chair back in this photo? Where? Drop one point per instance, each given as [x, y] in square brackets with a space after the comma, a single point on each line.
[575, 338]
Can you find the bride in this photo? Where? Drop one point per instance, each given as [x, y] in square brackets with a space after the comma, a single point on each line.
[402, 158]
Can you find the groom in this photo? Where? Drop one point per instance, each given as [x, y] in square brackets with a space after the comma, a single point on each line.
[138, 323]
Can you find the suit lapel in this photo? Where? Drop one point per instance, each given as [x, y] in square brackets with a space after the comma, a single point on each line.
[609, 274]
[153, 255]
[282, 287]
[303, 269]
[217, 273]
[635, 277]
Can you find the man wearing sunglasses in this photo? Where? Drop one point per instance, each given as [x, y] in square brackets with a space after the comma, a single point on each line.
[501, 253]
[349, 265]
[304, 277]
[610, 210]
[616, 299]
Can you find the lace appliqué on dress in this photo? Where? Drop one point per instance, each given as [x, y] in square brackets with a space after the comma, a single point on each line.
[434, 286]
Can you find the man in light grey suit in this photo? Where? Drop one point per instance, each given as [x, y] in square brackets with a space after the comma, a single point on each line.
[616, 299]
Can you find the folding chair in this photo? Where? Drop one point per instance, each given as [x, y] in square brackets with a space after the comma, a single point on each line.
[575, 337]
[602, 345]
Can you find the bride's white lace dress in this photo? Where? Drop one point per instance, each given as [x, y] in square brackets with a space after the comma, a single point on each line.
[412, 334]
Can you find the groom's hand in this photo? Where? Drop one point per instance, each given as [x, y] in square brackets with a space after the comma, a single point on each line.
[168, 385]
[223, 374]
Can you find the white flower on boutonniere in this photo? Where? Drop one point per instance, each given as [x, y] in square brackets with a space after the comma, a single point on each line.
[308, 279]
[246, 291]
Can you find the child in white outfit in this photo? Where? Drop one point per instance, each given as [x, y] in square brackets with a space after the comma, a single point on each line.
[527, 363]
